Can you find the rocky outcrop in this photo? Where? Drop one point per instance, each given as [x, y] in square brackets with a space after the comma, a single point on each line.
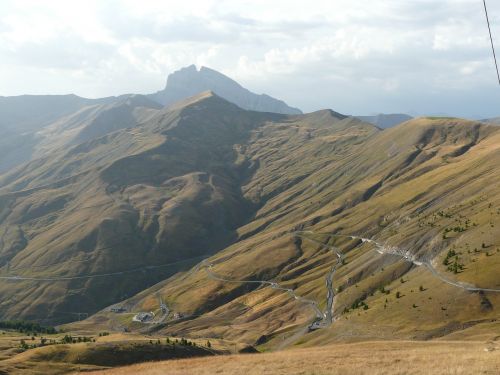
[189, 81]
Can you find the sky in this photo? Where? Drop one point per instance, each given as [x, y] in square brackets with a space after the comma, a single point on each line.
[354, 56]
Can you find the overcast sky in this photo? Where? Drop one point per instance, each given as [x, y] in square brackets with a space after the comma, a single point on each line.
[355, 56]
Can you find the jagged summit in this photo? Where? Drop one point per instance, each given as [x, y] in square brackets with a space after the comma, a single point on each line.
[190, 81]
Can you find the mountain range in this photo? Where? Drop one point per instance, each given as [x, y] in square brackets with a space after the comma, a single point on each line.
[229, 220]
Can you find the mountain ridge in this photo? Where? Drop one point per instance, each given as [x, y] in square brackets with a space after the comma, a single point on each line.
[216, 211]
[386, 189]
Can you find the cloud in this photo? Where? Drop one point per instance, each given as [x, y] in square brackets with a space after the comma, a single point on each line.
[356, 56]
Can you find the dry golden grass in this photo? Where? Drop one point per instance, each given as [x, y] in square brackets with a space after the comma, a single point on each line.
[373, 358]
[107, 352]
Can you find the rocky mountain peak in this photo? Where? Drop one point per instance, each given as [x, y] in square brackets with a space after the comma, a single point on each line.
[189, 81]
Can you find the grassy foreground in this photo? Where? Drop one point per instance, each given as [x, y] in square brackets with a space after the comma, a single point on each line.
[374, 358]
[98, 352]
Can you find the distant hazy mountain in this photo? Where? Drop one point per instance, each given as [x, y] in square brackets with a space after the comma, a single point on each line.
[29, 112]
[31, 125]
[22, 116]
[189, 81]
[495, 121]
[386, 120]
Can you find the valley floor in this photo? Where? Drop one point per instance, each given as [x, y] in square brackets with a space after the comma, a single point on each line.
[373, 358]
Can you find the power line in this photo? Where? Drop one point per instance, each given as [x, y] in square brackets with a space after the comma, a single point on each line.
[99, 275]
[491, 39]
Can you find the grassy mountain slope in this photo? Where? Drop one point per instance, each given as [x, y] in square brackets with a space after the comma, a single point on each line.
[133, 208]
[426, 187]
[161, 193]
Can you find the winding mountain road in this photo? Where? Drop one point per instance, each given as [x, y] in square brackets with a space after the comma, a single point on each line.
[117, 273]
[407, 256]
[329, 316]
[322, 319]
[313, 304]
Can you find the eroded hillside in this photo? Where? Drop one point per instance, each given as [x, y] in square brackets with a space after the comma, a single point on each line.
[250, 226]
[106, 217]
[426, 191]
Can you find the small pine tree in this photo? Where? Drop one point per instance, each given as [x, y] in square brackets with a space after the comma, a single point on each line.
[208, 344]
[398, 294]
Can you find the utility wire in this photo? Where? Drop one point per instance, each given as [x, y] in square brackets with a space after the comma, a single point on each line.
[491, 39]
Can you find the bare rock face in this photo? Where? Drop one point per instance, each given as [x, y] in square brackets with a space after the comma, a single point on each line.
[189, 81]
